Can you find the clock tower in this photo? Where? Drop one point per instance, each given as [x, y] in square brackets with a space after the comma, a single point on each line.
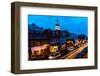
[57, 27]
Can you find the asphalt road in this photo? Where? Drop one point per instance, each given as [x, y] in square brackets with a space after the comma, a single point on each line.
[75, 52]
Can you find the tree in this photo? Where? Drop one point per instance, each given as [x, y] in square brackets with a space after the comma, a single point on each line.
[82, 36]
[48, 32]
[65, 33]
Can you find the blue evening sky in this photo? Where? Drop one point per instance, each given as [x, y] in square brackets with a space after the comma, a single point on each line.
[74, 24]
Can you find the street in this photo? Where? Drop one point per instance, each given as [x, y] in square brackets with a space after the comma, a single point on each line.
[74, 53]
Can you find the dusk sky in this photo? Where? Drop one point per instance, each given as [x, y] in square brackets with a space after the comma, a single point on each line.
[74, 24]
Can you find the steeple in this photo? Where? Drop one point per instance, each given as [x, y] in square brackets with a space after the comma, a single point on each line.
[57, 27]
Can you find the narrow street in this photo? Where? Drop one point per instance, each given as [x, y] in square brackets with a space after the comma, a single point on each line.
[75, 52]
